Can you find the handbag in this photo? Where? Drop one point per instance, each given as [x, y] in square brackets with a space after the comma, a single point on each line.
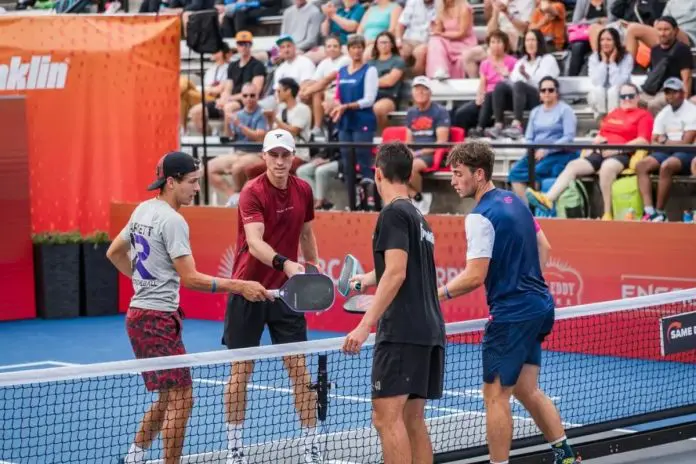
[578, 33]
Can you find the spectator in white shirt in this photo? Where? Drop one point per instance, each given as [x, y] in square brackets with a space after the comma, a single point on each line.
[675, 124]
[510, 16]
[298, 67]
[413, 31]
[321, 89]
[609, 68]
[520, 93]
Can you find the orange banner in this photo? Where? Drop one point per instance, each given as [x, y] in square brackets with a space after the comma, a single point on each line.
[102, 108]
[590, 260]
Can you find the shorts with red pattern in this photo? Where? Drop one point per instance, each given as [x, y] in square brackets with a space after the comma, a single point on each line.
[155, 333]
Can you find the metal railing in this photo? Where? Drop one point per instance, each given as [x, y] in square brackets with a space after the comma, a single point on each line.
[199, 151]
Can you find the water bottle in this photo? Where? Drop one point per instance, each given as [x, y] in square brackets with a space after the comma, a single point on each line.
[630, 215]
[688, 217]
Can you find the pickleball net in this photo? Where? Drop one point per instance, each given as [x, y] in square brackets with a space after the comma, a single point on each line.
[602, 367]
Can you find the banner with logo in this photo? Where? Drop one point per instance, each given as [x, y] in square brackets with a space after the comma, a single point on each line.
[678, 333]
[590, 260]
[102, 108]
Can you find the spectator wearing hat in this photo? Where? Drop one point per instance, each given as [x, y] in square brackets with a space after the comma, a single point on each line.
[242, 71]
[295, 66]
[679, 65]
[302, 21]
[426, 122]
[213, 85]
[246, 125]
[238, 15]
[675, 124]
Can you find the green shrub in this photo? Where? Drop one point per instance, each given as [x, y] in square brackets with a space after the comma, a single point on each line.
[56, 238]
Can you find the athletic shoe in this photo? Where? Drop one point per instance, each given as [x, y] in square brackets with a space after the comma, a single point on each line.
[654, 217]
[235, 456]
[513, 132]
[493, 132]
[540, 202]
[607, 217]
[312, 456]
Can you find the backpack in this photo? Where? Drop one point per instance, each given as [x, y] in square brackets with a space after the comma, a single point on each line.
[625, 196]
[574, 202]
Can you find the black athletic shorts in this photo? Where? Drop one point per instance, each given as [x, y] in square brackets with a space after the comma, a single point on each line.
[596, 160]
[213, 112]
[405, 369]
[245, 321]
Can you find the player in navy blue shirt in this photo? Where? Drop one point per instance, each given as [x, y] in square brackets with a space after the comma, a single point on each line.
[503, 253]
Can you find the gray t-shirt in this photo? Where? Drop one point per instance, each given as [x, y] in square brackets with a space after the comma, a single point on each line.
[157, 234]
[384, 67]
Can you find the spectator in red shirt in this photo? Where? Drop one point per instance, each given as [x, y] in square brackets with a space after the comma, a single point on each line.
[275, 217]
[626, 125]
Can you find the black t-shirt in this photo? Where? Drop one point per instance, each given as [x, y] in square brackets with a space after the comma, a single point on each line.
[681, 58]
[240, 75]
[414, 316]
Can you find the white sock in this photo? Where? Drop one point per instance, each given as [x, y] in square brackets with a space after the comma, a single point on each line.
[501, 462]
[136, 455]
[309, 436]
[234, 436]
[555, 442]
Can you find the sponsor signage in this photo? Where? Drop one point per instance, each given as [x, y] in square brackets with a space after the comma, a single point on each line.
[678, 333]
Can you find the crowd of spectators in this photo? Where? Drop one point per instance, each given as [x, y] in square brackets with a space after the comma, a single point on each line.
[338, 70]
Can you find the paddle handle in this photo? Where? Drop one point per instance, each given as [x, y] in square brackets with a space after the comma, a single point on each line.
[274, 293]
[356, 286]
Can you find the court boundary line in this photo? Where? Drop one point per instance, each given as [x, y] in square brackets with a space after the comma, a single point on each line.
[687, 296]
[9, 367]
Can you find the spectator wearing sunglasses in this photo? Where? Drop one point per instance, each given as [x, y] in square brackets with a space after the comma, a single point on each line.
[675, 124]
[552, 122]
[626, 125]
[609, 68]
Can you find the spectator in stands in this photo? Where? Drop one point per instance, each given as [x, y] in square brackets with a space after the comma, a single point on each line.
[390, 69]
[318, 173]
[674, 125]
[355, 96]
[520, 92]
[549, 17]
[238, 15]
[382, 16]
[552, 122]
[322, 87]
[293, 116]
[246, 125]
[626, 125]
[413, 31]
[684, 14]
[451, 33]
[302, 21]
[494, 69]
[341, 22]
[244, 70]
[512, 18]
[213, 82]
[426, 122]
[679, 65]
[609, 68]
[623, 13]
[586, 13]
[296, 66]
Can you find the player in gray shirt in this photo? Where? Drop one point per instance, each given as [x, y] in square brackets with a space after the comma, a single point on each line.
[154, 251]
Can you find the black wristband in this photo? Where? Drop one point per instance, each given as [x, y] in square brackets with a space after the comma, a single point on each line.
[279, 262]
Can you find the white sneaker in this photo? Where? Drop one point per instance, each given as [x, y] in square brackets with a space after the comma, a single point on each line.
[235, 456]
[424, 204]
[312, 455]
[441, 74]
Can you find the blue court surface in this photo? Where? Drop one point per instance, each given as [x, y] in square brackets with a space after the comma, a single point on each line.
[94, 420]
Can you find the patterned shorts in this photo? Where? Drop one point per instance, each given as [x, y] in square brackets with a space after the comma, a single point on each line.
[158, 333]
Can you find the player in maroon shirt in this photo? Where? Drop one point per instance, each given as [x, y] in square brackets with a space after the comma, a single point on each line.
[275, 217]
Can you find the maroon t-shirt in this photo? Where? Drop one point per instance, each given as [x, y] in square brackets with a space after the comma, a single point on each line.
[283, 213]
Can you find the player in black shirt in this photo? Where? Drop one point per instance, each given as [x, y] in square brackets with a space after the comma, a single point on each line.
[409, 353]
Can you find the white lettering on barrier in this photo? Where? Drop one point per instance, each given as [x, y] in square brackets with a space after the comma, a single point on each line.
[39, 73]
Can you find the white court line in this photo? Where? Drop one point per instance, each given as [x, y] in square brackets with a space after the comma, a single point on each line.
[5, 367]
[61, 363]
[6, 462]
[474, 393]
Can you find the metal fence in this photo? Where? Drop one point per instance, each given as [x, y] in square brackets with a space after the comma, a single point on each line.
[199, 150]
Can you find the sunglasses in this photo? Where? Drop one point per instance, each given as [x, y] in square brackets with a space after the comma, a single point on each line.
[248, 95]
[627, 96]
[547, 90]
[244, 44]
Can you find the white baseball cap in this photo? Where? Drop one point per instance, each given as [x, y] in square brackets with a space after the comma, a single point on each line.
[422, 80]
[279, 138]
